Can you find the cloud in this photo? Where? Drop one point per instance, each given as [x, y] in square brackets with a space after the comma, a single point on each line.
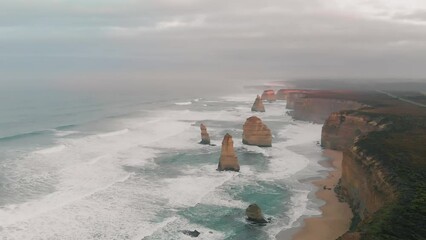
[207, 40]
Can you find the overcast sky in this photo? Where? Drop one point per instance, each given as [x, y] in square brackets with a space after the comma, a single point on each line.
[84, 43]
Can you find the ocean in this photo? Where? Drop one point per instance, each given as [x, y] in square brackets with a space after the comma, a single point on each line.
[74, 166]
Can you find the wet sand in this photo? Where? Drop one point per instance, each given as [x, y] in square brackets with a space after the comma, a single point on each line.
[336, 216]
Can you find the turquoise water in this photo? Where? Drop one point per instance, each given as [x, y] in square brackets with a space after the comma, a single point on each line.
[75, 166]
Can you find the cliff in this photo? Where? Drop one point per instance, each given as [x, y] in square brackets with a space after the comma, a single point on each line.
[255, 132]
[281, 94]
[383, 176]
[258, 105]
[341, 128]
[228, 159]
[317, 110]
[383, 170]
[268, 95]
[205, 138]
[384, 158]
[284, 94]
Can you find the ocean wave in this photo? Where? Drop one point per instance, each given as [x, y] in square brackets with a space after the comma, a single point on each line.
[65, 127]
[114, 133]
[49, 150]
[37, 133]
[59, 133]
[24, 135]
[183, 103]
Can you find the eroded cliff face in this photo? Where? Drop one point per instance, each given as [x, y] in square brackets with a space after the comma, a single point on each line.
[292, 97]
[281, 94]
[366, 183]
[317, 110]
[341, 128]
[383, 167]
[363, 181]
[269, 95]
[383, 171]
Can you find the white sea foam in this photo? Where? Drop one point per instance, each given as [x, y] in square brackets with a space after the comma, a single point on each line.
[49, 150]
[299, 202]
[301, 133]
[64, 133]
[114, 133]
[183, 103]
[148, 231]
[190, 189]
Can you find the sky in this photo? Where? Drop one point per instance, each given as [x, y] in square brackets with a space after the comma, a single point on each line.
[135, 43]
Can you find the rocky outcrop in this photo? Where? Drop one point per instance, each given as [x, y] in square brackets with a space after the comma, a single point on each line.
[268, 95]
[341, 128]
[254, 214]
[205, 138]
[194, 233]
[258, 105]
[255, 132]
[228, 159]
[317, 110]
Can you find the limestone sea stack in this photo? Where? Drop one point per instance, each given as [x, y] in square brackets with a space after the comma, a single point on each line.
[269, 95]
[254, 214]
[258, 105]
[228, 160]
[255, 132]
[205, 138]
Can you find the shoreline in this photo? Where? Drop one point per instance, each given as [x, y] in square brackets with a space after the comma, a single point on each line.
[336, 216]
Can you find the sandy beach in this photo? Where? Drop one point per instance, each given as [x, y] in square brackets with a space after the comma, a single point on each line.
[336, 216]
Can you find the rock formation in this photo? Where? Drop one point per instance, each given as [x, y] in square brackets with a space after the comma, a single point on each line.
[255, 132]
[317, 110]
[342, 128]
[205, 138]
[268, 95]
[254, 214]
[228, 159]
[258, 105]
[194, 233]
[281, 94]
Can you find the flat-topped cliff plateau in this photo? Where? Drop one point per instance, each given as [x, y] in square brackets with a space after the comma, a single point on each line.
[317, 105]
[383, 139]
